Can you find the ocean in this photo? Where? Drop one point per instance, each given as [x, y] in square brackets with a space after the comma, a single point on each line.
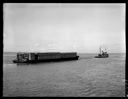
[86, 77]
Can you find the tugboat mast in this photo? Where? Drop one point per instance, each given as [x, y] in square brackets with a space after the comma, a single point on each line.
[100, 49]
[105, 50]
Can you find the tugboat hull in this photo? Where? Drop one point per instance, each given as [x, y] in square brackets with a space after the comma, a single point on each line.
[100, 57]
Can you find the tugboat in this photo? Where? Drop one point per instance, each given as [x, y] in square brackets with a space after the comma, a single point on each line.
[102, 54]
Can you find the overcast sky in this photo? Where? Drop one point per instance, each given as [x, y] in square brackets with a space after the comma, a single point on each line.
[63, 27]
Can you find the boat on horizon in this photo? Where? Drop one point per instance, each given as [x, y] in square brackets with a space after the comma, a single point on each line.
[102, 54]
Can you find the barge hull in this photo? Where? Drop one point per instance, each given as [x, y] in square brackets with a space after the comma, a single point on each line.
[45, 57]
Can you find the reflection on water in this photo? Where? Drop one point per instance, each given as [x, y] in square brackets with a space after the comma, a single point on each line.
[87, 77]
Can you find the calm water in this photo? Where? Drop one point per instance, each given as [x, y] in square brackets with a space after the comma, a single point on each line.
[86, 77]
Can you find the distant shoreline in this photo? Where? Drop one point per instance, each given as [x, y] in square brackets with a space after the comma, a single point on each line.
[67, 52]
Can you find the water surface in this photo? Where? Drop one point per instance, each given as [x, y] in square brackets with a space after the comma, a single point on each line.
[86, 77]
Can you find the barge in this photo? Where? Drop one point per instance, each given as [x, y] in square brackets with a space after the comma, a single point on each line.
[44, 57]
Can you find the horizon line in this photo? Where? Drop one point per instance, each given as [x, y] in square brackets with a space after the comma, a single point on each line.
[56, 51]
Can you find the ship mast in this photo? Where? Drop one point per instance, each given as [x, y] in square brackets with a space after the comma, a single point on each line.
[100, 50]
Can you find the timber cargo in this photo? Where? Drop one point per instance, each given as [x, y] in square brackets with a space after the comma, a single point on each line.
[44, 57]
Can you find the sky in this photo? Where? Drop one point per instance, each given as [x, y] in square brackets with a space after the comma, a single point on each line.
[64, 27]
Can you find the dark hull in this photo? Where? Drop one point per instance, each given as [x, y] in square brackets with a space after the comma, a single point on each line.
[101, 56]
[47, 60]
